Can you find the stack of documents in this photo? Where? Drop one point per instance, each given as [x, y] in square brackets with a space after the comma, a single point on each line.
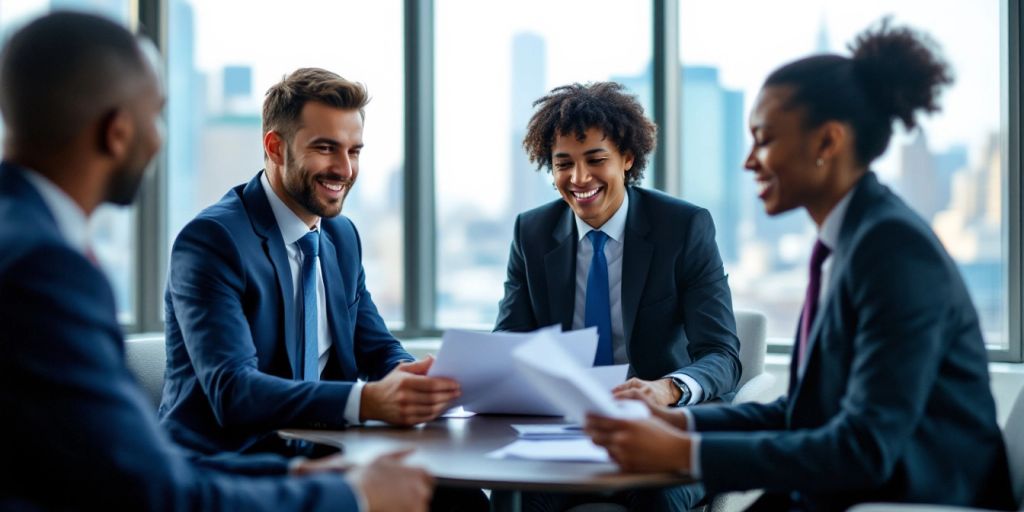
[483, 364]
[559, 450]
[555, 375]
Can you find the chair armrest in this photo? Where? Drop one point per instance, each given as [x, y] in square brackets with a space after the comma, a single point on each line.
[757, 389]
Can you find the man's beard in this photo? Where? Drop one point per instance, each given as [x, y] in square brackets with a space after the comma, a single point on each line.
[125, 181]
[300, 183]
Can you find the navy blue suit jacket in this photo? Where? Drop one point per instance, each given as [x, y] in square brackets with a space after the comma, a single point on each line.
[676, 304]
[894, 401]
[78, 432]
[232, 333]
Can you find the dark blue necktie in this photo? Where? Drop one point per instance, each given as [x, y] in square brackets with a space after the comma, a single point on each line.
[310, 246]
[598, 310]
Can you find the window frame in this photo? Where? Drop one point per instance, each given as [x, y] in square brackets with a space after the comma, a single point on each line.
[419, 229]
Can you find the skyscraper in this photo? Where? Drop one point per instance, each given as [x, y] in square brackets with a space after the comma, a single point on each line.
[530, 188]
[712, 147]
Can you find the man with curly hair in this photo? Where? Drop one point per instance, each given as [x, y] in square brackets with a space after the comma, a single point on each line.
[638, 264]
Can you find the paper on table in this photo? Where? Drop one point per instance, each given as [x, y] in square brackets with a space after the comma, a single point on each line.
[538, 432]
[564, 450]
[555, 375]
[481, 363]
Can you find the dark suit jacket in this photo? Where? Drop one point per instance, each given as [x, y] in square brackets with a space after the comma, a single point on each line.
[894, 403]
[78, 432]
[676, 305]
[232, 334]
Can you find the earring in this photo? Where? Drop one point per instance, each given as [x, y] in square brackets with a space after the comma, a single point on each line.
[820, 162]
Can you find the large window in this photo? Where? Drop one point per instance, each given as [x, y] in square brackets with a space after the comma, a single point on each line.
[952, 171]
[492, 61]
[112, 229]
[224, 55]
[474, 75]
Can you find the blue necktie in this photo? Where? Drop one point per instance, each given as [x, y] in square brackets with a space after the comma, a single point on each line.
[598, 311]
[310, 246]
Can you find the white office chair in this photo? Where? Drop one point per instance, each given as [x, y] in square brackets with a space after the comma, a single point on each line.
[755, 384]
[147, 359]
[1013, 436]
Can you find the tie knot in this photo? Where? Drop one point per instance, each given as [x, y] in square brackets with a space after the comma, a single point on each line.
[819, 253]
[597, 239]
[310, 244]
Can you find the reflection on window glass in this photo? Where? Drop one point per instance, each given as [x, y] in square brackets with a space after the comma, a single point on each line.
[951, 171]
[216, 84]
[484, 92]
[112, 229]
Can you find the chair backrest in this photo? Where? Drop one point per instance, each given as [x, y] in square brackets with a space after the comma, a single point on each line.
[147, 360]
[1013, 436]
[751, 328]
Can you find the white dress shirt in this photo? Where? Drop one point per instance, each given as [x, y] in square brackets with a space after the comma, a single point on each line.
[828, 233]
[292, 229]
[72, 222]
[615, 228]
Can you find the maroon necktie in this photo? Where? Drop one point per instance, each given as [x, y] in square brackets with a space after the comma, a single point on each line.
[818, 255]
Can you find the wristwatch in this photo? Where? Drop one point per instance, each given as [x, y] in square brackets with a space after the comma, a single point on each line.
[684, 391]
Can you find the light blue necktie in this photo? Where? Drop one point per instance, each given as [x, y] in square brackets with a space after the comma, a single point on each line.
[310, 246]
[598, 310]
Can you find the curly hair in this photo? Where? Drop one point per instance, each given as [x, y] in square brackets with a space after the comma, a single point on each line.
[576, 108]
[895, 71]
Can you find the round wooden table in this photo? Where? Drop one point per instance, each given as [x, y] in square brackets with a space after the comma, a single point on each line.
[454, 451]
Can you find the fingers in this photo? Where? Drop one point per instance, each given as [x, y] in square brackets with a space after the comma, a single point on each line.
[417, 367]
[416, 414]
[633, 383]
[602, 423]
[632, 394]
[429, 384]
[397, 456]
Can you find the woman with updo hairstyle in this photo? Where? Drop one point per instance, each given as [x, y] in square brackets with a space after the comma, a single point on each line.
[889, 395]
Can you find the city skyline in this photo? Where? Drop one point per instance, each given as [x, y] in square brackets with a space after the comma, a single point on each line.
[487, 74]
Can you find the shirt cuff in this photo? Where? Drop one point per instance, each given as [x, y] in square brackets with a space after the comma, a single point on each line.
[695, 471]
[361, 503]
[353, 403]
[696, 392]
[690, 425]
[294, 462]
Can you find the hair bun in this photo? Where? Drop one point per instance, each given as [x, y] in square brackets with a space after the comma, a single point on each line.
[901, 71]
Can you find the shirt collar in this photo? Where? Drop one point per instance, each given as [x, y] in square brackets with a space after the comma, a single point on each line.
[615, 227]
[829, 231]
[71, 220]
[291, 226]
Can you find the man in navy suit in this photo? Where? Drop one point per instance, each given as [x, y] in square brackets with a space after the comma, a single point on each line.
[268, 319]
[889, 395]
[641, 266]
[81, 106]
[255, 343]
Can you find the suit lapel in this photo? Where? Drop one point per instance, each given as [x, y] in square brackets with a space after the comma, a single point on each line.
[337, 307]
[636, 261]
[864, 194]
[560, 268]
[265, 225]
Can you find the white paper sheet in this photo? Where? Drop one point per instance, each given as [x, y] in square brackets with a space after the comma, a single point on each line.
[482, 364]
[554, 374]
[563, 450]
[609, 376]
[541, 432]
